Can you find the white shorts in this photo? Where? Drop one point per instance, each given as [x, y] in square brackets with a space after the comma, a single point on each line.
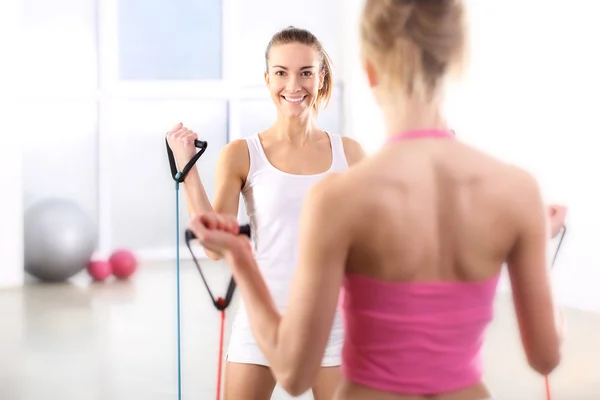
[244, 350]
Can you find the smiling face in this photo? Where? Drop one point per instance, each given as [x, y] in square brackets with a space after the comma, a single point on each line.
[294, 77]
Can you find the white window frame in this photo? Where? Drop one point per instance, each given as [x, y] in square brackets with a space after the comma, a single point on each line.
[110, 89]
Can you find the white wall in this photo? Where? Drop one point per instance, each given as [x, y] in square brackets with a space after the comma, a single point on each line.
[11, 217]
[530, 97]
[98, 139]
[11, 185]
[362, 119]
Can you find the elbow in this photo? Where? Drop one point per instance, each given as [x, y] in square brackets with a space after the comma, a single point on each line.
[296, 369]
[294, 385]
[296, 379]
[545, 363]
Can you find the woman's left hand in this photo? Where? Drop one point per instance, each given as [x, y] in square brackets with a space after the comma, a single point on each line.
[556, 215]
[220, 233]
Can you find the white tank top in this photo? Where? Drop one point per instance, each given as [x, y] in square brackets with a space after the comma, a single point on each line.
[273, 200]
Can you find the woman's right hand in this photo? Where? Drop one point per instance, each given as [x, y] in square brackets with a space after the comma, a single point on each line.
[181, 141]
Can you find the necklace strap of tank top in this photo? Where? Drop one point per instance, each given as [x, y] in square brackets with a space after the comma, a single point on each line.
[421, 134]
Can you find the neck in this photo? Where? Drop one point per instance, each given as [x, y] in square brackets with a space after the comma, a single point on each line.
[295, 130]
[405, 115]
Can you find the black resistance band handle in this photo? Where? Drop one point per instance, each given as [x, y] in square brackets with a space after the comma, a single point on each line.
[220, 304]
[180, 176]
[244, 230]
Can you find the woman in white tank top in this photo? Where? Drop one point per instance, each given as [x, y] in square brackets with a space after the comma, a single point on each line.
[273, 171]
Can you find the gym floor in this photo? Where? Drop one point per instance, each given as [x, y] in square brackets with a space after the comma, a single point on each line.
[117, 341]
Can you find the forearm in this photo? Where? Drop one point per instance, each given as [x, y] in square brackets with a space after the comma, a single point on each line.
[197, 201]
[195, 195]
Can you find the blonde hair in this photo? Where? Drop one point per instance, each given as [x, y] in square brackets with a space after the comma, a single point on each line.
[414, 44]
[292, 34]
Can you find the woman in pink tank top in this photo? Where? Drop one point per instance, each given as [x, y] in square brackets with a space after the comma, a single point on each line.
[413, 238]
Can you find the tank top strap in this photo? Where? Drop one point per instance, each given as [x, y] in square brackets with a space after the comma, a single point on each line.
[339, 155]
[258, 159]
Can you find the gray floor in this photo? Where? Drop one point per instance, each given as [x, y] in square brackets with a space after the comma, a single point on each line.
[117, 341]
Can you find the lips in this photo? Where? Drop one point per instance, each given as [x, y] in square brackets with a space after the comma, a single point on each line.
[294, 99]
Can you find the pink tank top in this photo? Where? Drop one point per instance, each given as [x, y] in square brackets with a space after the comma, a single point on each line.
[415, 338]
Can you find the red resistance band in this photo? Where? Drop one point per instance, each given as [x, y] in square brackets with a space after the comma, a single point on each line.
[220, 303]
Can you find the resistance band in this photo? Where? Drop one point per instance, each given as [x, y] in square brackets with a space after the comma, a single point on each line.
[564, 231]
[220, 303]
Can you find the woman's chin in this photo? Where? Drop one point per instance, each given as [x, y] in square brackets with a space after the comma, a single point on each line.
[295, 112]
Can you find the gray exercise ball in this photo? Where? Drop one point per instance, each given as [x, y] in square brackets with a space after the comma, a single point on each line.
[60, 239]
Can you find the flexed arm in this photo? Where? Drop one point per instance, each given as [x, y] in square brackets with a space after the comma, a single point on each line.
[231, 169]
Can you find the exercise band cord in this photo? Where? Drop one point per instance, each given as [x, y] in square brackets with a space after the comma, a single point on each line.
[564, 231]
[219, 303]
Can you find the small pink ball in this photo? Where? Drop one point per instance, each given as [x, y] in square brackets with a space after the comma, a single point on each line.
[99, 269]
[124, 263]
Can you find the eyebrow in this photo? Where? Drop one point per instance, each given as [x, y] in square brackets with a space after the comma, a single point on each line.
[301, 69]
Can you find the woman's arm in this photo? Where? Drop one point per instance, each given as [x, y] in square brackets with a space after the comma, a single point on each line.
[230, 172]
[530, 281]
[181, 142]
[232, 164]
[353, 151]
[294, 344]
[196, 198]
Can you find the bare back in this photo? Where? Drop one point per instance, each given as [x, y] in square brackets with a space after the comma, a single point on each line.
[436, 210]
[433, 210]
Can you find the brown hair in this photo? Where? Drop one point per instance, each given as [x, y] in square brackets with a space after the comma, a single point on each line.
[291, 34]
[414, 44]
